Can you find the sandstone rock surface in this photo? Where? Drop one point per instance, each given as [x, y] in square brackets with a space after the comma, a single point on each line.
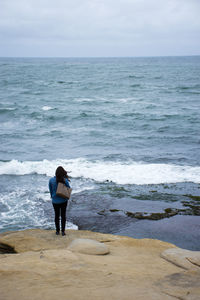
[88, 246]
[48, 267]
[183, 258]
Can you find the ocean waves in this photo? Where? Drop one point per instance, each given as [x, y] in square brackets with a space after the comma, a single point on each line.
[26, 207]
[131, 172]
[126, 129]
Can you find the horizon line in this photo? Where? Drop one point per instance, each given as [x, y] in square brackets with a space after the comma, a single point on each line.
[151, 56]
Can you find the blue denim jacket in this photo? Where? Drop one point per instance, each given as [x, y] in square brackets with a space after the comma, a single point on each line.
[52, 189]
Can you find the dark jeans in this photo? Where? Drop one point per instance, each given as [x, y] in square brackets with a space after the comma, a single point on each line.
[60, 209]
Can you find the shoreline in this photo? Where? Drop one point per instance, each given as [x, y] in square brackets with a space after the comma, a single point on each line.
[179, 230]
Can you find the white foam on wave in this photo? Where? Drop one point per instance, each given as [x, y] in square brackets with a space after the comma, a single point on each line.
[22, 210]
[8, 108]
[101, 171]
[46, 108]
[125, 100]
[84, 100]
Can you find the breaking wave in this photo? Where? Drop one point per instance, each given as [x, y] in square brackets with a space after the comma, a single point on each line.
[101, 171]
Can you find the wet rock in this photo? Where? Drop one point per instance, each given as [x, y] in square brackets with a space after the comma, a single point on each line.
[192, 209]
[169, 212]
[102, 212]
[196, 198]
[114, 210]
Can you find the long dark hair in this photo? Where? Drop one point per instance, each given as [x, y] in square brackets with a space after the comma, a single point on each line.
[61, 174]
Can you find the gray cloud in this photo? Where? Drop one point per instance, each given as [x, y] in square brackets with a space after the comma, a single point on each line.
[99, 27]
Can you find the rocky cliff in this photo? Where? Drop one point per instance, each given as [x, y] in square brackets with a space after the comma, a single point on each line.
[38, 265]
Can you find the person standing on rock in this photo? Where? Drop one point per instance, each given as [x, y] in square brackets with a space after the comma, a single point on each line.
[59, 203]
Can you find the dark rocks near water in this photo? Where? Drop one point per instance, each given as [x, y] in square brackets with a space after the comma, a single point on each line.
[169, 212]
[197, 198]
[193, 206]
[192, 209]
[150, 213]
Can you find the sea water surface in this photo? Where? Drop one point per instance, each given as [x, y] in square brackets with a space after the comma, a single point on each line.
[126, 128]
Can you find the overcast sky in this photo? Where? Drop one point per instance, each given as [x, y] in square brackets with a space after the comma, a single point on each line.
[69, 28]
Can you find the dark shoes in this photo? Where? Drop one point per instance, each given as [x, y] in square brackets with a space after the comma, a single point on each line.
[58, 232]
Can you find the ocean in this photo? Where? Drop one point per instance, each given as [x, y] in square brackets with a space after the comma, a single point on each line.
[127, 130]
